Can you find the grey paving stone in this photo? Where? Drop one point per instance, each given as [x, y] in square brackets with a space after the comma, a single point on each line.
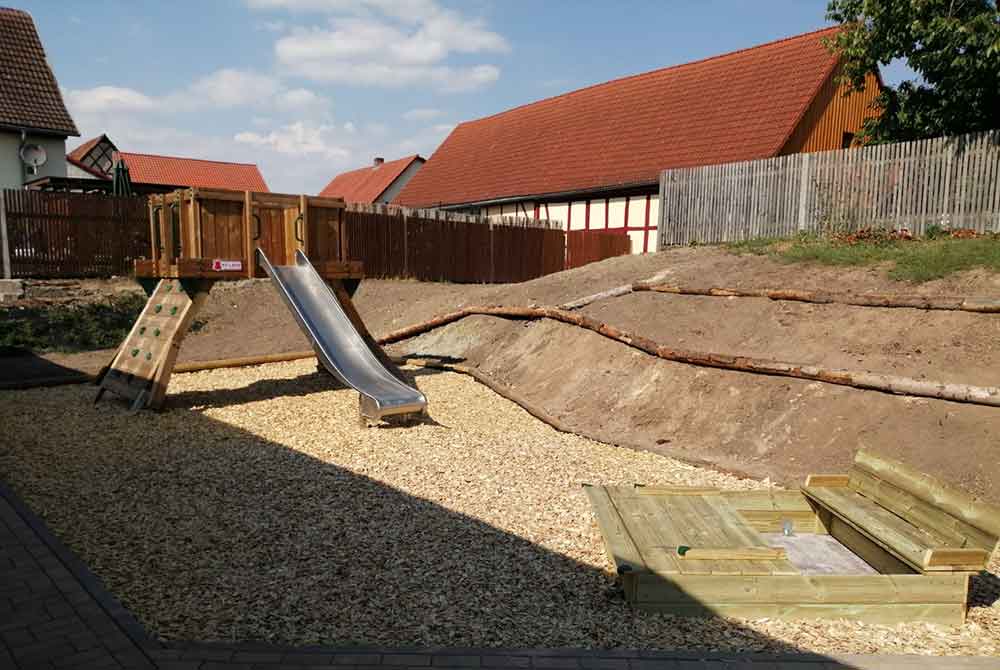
[457, 661]
[407, 660]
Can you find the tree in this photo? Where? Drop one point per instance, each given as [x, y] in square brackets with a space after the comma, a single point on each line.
[953, 45]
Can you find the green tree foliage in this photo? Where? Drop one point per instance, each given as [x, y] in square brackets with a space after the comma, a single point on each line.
[953, 45]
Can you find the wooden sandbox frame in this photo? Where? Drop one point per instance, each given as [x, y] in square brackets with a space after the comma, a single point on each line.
[201, 236]
[700, 551]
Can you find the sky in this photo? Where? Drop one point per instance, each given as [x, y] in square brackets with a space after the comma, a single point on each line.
[309, 88]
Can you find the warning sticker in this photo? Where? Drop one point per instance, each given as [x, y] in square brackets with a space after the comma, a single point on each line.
[220, 265]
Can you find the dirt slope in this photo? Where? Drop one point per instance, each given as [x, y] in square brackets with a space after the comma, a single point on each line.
[766, 426]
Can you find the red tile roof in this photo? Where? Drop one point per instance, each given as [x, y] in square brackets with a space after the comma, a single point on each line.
[368, 183]
[733, 107]
[152, 169]
[77, 154]
[29, 93]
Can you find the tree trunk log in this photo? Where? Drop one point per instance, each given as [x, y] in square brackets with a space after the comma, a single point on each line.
[979, 395]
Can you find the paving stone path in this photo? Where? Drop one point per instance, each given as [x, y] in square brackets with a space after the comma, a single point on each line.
[55, 614]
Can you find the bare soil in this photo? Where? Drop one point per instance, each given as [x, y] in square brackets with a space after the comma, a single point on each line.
[764, 426]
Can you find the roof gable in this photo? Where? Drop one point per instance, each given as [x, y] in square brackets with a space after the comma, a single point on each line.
[368, 183]
[29, 93]
[173, 170]
[95, 156]
[737, 106]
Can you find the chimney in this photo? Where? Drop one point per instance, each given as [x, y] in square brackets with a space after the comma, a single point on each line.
[379, 160]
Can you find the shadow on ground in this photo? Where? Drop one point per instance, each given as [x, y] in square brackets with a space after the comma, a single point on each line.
[208, 532]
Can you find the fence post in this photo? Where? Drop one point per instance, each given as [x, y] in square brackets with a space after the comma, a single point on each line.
[406, 246]
[493, 277]
[4, 241]
[803, 191]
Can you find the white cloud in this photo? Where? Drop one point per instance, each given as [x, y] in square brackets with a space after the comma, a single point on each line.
[298, 139]
[102, 98]
[222, 89]
[387, 43]
[422, 114]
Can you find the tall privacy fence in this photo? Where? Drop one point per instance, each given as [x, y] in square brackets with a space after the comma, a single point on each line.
[950, 182]
[71, 234]
[431, 245]
[45, 234]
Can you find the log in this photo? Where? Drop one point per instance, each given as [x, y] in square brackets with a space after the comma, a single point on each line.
[614, 292]
[980, 395]
[947, 303]
[197, 366]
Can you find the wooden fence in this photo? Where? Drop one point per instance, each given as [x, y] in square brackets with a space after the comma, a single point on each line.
[71, 235]
[441, 246]
[588, 246]
[949, 182]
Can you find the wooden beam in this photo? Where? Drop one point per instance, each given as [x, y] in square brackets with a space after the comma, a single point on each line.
[732, 554]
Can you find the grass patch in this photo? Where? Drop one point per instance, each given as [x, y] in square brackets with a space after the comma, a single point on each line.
[83, 327]
[911, 260]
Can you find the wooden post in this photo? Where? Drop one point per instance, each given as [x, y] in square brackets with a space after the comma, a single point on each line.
[803, 191]
[248, 231]
[4, 241]
[406, 246]
[304, 214]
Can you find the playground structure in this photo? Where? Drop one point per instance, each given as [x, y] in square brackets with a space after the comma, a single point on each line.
[882, 544]
[203, 236]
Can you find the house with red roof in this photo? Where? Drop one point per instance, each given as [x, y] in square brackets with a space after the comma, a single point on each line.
[379, 182]
[592, 158]
[153, 173]
[34, 121]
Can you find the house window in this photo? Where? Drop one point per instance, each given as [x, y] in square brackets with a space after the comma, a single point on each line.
[847, 140]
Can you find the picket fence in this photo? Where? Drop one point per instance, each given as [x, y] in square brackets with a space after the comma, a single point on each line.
[951, 182]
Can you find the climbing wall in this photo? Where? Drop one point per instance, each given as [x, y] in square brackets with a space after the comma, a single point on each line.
[140, 370]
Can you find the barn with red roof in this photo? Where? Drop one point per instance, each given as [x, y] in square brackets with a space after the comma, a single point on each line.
[379, 182]
[591, 158]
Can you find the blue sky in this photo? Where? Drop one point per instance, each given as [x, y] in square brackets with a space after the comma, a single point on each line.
[309, 88]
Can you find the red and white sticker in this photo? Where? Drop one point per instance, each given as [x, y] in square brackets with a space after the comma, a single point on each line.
[220, 265]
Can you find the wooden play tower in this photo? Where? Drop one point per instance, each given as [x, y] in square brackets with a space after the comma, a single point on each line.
[202, 236]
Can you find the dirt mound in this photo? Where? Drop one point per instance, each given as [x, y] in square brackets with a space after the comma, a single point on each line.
[765, 426]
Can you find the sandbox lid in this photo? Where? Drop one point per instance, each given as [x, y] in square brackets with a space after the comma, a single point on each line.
[644, 528]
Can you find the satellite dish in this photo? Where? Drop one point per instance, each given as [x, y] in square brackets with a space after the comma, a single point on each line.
[33, 156]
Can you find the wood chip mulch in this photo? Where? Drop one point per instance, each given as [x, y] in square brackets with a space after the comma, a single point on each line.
[256, 509]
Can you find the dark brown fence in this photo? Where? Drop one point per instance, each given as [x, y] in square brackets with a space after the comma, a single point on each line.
[74, 235]
[397, 244]
[587, 246]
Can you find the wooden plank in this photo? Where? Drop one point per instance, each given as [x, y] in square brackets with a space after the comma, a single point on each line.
[621, 548]
[949, 531]
[651, 530]
[902, 539]
[945, 615]
[827, 480]
[980, 514]
[731, 554]
[804, 589]
[956, 559]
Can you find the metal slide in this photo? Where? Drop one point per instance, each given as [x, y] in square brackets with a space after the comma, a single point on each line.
[339, 346]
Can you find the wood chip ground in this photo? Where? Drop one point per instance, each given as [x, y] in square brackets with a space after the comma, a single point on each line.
[256, 509]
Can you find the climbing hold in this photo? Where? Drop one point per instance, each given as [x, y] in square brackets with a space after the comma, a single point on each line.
[173, 310]
[142, 330]
[135, 352]
[156, 332]
[158, 309]
[149, 355]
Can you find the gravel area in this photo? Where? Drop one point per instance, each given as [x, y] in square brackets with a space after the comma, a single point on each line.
[256, 509]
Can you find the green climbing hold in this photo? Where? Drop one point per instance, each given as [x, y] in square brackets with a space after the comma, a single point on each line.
[173, 310]
[149, 355]
[142, 330]
[135, 352]
[158, 309]
[156, 332]
[170, 287]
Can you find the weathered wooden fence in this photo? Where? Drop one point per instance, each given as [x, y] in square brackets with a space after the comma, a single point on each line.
[588, 246]
[951, 182]
[431, 245]
[71, 235]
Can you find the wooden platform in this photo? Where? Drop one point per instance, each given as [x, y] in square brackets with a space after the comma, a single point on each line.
[700, 552]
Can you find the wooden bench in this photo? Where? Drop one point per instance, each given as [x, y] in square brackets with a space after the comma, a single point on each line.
[922, 525]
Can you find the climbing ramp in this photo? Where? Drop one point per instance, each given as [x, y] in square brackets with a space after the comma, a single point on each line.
[140, 370]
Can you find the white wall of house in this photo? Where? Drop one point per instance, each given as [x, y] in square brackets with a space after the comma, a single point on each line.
[79, 173]
[389, 194]
[634, 215]
[12, 174]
